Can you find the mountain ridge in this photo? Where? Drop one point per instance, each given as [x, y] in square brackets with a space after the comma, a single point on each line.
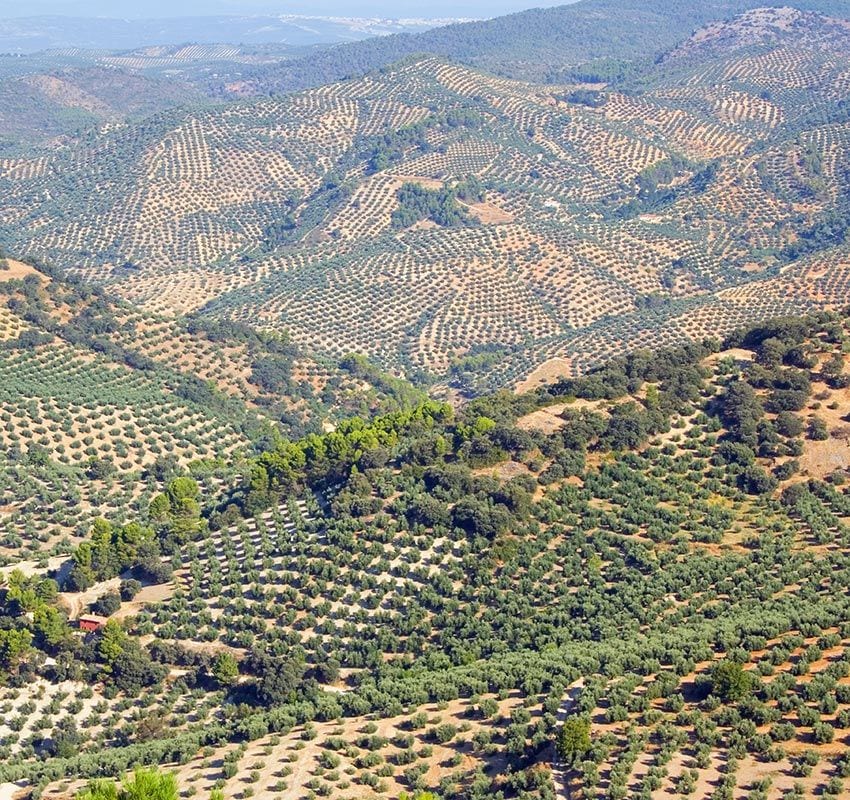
[534, 45]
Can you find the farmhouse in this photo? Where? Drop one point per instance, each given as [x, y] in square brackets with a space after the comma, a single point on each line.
[91, 622]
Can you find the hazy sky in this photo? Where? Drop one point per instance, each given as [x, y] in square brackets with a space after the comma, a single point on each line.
[360, 8]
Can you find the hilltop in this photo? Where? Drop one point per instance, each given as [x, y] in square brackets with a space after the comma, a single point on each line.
[767, 27]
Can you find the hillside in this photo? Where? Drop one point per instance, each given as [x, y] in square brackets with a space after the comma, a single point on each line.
[508, 232]
[49, 100]
[644, 571]
[474, 427]
[52, 98]
[536, 45]
[95, 395]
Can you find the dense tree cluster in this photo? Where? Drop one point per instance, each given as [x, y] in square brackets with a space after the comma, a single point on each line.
[111, 550]
[416, 203]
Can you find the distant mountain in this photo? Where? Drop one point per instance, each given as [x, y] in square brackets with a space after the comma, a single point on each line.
[535, 45]
[765, 27]
[51, 101]
[32, 34]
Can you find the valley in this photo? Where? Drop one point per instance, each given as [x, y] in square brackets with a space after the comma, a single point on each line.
[447, 415]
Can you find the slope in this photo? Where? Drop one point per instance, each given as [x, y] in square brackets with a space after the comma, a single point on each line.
[95, 394]
[500, 228]
[664, 543]
[535, 45]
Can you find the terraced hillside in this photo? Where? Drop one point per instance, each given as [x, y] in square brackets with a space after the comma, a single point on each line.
[95, 394]
[457, 227]
[632, 584]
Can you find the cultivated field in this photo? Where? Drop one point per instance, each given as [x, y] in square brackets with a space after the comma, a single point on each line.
[575, 217]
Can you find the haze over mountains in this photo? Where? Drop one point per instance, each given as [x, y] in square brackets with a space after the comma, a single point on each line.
[387, 9]
[119, 25]
[32, 34]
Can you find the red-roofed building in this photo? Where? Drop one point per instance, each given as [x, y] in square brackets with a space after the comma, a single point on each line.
[91, 623]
